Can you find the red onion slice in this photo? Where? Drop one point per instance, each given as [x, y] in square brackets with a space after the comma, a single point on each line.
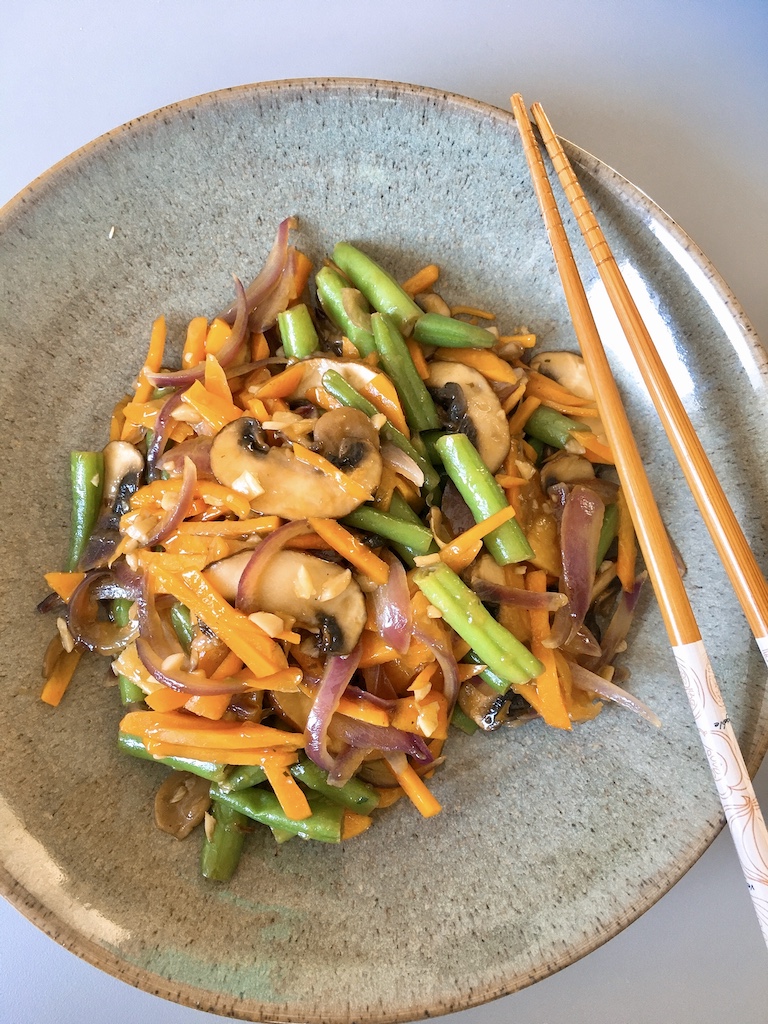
[497, 593]
[176, 515]
[618, 627]
[258, 561]
[198, 449]
[163, 425]
[182, 680]
[402, 464]
[392, 606]
[346, 765]
[385, 738]
[269, 275]
[86, 629]
[579, 535]
[447, 663]
[264, 315]
[583, 679]
[339, 670]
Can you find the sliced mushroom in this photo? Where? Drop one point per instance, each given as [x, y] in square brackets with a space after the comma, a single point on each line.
[317, 595]
[123, 465]
[470, 406]
[568, 369]
[181, 803]
[490, 709]
[565, 468]
[278, 483]
[353, 371]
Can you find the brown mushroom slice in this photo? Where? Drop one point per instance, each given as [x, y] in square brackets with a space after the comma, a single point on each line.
[568, 369]
[181, 803]
[565, 468]
[353, 371]
[483, 420]
[317, 595]
[278, 483]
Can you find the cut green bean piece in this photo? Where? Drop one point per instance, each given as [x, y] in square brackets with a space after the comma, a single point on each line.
[465, 613]
[182, 624]
[436, 329]
[429, 439]
[343, 391]
[205, 769]
[413, 535]
[355, 794]
[396, 360]
[608, 531]
[380, 288]
[463, 721]
[121, 609]
[400, 509]
[484, 496]
[87, 478]
[494, 681]
[221, 853]
[297, 332]
[346, 308]
[262, 805]
[551, 426]
[130, 692]
[243, 777]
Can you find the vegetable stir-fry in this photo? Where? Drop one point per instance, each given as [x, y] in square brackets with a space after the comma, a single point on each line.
[354, 519]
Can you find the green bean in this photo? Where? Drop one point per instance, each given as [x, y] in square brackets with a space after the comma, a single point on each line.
[551, 426]
[182, 624]
[396, 360]
[463, 721]
[262, 805]
[429, 439]
[343, 391]
[436, 329]
[206, 769]
[221, 853]
[379, 287]
[130, 692]
[355, 794]
[121, 609]
[608, 531]
[413, 535]
[489, 677]
[243, 777]
[465, 613]
[400, 509]
[87, 476]
[337, 299]
[297, 332]
[484, 496]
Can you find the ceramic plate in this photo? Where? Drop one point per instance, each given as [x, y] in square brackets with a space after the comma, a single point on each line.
[549, 843]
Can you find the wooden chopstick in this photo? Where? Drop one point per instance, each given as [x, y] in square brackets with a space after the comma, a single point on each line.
[735, 553]
[723, 754]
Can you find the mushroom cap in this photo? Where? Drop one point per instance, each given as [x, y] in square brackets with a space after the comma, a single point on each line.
[487, 428]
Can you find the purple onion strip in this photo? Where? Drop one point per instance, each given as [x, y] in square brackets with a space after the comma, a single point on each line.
[339, 670]
[266, 550]
[392, 606]
[590, 682]
[269, 275]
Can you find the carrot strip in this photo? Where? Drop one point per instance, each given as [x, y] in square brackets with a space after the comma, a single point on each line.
[287, 790]
[230, 527]
[422, 280]
[117, 422]
[211, 408]
[380, 391]
[153, 361]
[215, 379]
[194, 344]
[414, 788]
[595, 450]
[61, 676]
[211, 492]
[544, 387]
[374, 650]
[472, 311]
[218, 755]
[522, 414]
[282, 384]
[484, 361]
[214, 705]
[142, 414]
[303, 268]
[464, 549]
[354, 824]
[627, 544]
[553, 709]
[165, 699]
[64, 583]
[321, 398]
[349, 547]
[526, 340]
[511, 400]
[259, 347]
[178, 727]
[417, 355]
[344, 480]
[218, 335]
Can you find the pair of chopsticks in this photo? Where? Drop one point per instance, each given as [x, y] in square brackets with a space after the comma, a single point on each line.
[726, 761]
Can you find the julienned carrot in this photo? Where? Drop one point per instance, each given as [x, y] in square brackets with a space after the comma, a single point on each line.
[303, 268]
[194, 344]
[165, 699]
[230, 527]
[217, 755]
[381, 392]
[117, 422]
[154, 360]
[61, 676]
[414, 788]
[218, 335]
[595, 450]
[214, 705]
[212, 409]
[483, 314]
[282, 384]
[287, 790]
[262, 655]
[375, 650]
[354, 824]
[544, 387]
[215, 379]
[523, 413]
[349, 547]
[513, 398]
[463, 549]
[417, 355]
[160, 491]
[525, 340]
[484, 361]
[344, 480]
[553, 709]
[64, 583]
[176, 727]
[422, 280]
[627, 544]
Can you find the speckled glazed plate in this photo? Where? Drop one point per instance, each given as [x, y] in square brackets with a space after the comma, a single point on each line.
[549, 843]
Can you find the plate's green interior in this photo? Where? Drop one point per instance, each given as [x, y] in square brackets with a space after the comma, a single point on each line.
[549, 843]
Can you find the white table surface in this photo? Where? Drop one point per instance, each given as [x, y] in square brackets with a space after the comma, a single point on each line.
[672, 93]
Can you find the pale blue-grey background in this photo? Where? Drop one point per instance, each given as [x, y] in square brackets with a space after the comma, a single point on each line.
[672, 94]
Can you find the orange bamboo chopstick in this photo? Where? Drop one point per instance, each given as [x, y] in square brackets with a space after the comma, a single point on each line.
[718, 738]
[735, 553]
